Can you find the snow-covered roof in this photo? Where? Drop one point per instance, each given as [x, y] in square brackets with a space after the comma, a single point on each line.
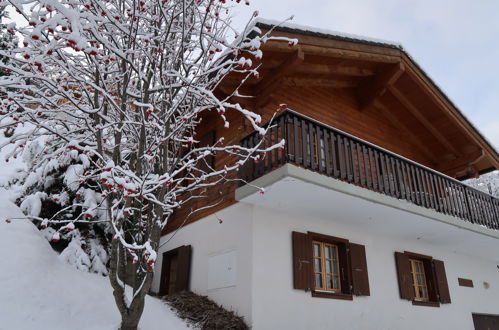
[287, 26]
[324, 33]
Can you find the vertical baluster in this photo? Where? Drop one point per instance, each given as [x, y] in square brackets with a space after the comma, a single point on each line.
[269, 141]
[462, 202]
[379, 175]
[320, 149]
[243, 169]
[373, 164]
[251, 163]
[354, 162]
[415, 186]
[436, 192]
[367, 166]
[384, 173]
[305, 144]
[287, 140]
[429, 193]
[457, 197]
[394, 181]
[348, 156]
[443, 195]
[450, 193]
[401, 179]
[277, 139]
[408, 180]
[327, 153]
[486, 209]
[469, 205]
[490, 204]
[436, 204]
[421, 187]
[313, 146]
[495, 202]
[362, 166]
[335, 152]
[258, 162]
[341, 156]
[476, 206]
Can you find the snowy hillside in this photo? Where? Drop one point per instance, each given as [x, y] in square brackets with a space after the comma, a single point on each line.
[39, 291]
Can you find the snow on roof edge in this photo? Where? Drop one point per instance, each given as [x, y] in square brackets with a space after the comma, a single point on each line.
[286, 25]
[304, 29]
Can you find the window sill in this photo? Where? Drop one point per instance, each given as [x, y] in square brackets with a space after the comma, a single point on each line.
[426, 303]
[331, 295]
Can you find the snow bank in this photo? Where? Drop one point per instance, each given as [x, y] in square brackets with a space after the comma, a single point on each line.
[38, 291]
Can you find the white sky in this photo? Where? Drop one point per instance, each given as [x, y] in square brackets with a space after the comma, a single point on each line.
[455, 41]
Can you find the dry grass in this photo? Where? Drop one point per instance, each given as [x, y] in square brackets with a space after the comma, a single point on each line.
[204, 313]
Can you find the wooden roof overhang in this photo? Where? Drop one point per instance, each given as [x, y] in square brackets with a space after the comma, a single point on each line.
[381, 76]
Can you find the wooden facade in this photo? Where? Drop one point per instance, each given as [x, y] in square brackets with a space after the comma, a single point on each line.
[373, 91]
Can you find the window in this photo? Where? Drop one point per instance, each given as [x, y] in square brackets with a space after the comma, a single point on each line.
[419, 280]
[329, 267]
[326, 267]
[422, 279]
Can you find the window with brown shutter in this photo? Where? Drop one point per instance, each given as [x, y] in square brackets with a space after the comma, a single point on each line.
[422, 279]
[331, 267]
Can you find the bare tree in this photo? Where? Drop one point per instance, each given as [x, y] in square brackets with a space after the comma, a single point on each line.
[117, 88]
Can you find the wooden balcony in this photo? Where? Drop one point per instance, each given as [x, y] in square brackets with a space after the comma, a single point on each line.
[323, 149]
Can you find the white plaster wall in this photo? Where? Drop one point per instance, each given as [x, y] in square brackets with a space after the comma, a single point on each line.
[276, 305]
[209, 238]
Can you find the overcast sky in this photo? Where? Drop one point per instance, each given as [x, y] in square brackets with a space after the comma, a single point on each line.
[455, 41]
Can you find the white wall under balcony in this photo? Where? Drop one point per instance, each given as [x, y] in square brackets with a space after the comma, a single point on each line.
[276, 305]
[302, 192]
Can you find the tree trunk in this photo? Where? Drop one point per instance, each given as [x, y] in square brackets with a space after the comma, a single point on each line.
[130, 319]
[131, 313]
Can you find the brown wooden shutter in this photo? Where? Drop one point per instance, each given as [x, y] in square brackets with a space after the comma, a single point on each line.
[302, 261]
[404, 276]
[345, 274]
[183, 268]
[358, 264]
[441, 280]
[430, 279]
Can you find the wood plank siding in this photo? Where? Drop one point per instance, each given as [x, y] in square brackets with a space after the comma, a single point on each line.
[372, 91]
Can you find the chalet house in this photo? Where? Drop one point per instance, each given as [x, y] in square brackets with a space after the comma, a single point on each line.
[365, 222]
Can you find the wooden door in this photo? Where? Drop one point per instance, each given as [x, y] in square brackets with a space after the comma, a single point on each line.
[486, 321]
[175, 271]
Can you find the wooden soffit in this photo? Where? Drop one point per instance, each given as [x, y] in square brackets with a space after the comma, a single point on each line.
[378, 72]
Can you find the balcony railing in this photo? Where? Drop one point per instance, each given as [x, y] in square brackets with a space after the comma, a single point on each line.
[323, 149]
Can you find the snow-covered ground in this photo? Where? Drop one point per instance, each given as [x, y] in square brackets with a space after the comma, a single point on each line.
[39, 291]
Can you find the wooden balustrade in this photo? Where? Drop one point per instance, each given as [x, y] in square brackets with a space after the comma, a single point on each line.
[323, 149]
